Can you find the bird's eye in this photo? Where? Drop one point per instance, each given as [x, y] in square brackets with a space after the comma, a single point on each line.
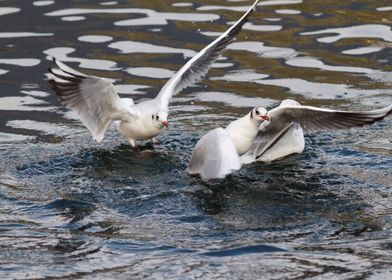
[157, 117]
[257, 112]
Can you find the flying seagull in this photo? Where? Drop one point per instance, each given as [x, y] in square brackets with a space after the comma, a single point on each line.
[97, 103]
[218, 152]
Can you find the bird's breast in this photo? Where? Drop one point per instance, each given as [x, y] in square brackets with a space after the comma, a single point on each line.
[138, 129]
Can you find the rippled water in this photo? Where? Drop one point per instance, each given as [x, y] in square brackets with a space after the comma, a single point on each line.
[72, 208]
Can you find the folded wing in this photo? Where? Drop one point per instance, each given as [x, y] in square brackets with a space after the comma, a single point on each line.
[94, 99]
[198, 66]
[214, 156]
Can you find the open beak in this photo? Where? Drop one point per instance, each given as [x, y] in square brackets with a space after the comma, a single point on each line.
[265, 118]
[165, 124]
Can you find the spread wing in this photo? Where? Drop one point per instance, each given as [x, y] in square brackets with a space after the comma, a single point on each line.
[284, 119]
[94, 99]
[198, 66]
[214, 156]
[314, 119]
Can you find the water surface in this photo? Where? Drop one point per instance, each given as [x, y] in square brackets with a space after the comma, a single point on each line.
[71, 208]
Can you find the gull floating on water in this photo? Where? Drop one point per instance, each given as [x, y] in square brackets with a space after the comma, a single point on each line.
[283, 134]
[267, 136]
[218, 152]
[97, 103]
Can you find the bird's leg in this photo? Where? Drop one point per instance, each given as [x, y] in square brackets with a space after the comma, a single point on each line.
[133, 145]
[154, 140]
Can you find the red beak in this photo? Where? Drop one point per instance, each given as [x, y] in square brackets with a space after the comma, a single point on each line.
[165, 124]
[265, 118]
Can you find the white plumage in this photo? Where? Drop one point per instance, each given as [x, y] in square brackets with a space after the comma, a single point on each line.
[283, 134]
[218, 152]
[97, 104]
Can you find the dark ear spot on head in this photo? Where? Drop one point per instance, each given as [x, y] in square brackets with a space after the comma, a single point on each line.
[152, 117]
[251, 114]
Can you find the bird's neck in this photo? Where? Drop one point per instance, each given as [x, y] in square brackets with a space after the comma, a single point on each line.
[243, 132]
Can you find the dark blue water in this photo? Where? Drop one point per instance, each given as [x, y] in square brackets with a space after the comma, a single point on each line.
[74, 209]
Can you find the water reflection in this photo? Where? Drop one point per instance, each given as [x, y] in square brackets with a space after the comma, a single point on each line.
[262, 50]
[8, 10]
[23, 34]
[257, 27]
[152, 17]
[43, 3]
[359, 31]
[315, 90]
[62, 54]
[150, 72]
[233, 99]
[363, 50]
[74, 208]
[287, 12]
[127, 47]
[95, 38]
[23, 103]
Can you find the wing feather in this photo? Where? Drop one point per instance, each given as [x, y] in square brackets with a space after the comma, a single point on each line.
[94, 99]
[313, 119]
[198, 66]
[214, 156]
[285, 118]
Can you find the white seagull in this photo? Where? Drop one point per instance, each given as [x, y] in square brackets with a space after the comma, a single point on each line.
[97, 103]
[265, 136]
[283, 134]
[218, 152]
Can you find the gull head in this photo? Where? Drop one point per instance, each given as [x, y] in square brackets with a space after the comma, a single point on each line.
[159, 119]
[259, 114]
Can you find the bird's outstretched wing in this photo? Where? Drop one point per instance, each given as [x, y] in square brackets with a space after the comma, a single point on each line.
[285, 119]
[198, 66]
[94, 99]
[314, 119]
[214, 156]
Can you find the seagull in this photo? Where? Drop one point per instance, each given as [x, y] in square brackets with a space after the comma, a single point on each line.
[218, 152]
[97, 103]
[283, 133]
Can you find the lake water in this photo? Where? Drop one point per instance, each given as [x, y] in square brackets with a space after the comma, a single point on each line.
[74, 209]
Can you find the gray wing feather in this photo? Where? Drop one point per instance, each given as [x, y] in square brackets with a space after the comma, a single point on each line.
[313, 119]
[94, 99]
[310, 119]
[198, 66]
